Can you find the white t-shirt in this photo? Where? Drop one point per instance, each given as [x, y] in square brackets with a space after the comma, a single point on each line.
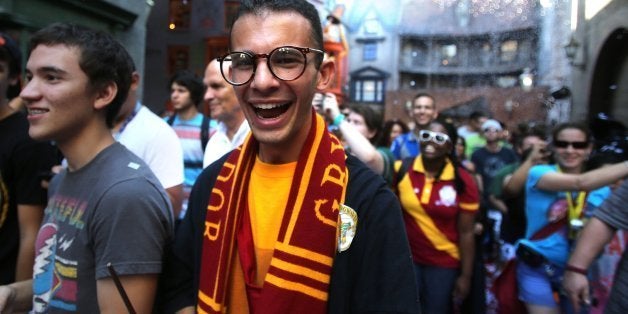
[219, 144]
[155, 142]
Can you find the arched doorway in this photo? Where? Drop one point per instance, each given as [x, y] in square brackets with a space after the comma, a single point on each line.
[609, 89]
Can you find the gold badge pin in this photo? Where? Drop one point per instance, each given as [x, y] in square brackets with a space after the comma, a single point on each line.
[346, 227]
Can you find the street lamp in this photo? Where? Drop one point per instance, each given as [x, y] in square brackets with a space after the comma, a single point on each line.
[526, 80]
[571, 50]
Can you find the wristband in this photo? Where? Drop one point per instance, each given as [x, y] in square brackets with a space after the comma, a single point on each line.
[338, 119]
[575, 269]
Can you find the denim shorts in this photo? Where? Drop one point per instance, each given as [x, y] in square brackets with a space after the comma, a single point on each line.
[535, 286]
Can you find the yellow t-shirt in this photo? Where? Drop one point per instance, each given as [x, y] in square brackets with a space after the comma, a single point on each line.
[267, 197]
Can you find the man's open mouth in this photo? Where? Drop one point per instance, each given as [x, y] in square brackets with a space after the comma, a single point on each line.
[270, 111]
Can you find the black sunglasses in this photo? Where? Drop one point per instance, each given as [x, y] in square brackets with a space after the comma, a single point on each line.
[575, 145]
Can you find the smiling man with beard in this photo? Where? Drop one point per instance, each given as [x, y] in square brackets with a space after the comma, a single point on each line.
[288, 223]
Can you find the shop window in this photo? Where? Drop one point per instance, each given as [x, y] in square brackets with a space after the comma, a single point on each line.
[179, 14]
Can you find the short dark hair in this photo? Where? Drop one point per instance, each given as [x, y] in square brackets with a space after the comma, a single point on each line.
[419, 95]
[302, 7]
[477, 114]
[518, 138]
[193, 83]
[10, 53]
[103, 59]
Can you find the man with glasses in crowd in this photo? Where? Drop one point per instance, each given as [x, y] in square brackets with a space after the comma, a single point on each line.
[288, 223]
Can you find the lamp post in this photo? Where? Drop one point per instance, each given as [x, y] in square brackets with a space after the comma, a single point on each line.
[571, 51]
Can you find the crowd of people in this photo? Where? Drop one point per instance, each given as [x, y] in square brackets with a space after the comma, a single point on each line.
[281, 200]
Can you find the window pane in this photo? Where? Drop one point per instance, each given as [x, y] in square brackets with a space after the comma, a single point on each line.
[179, 15]
[369, 91]
[449, 54]
[370, 52]
[508, 50]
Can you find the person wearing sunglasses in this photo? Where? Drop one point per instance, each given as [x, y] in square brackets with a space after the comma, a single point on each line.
[556, 197]
[288, 222]
[440, 200]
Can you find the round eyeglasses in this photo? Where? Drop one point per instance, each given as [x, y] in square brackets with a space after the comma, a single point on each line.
[286, 63]
[436, 137]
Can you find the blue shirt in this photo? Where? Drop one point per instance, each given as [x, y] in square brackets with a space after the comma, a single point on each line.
[405, 145]
[541, 205]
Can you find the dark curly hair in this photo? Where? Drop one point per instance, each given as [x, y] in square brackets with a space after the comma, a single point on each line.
[193, 83]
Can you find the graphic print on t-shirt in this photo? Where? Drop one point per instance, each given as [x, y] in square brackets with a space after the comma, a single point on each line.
[55, 281]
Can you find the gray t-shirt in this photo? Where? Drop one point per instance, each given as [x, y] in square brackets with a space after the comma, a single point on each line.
[112, 210]
[614, 212]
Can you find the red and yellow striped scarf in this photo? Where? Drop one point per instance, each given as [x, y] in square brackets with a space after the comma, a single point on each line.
[299, 274]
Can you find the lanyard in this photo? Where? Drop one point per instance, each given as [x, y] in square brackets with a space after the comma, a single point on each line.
[575, 209]
[575, 206]
[128, 119]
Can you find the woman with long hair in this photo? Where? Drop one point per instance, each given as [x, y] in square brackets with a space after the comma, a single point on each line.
[390, 131]
[440, 200]
[556, 196]
[461, 146]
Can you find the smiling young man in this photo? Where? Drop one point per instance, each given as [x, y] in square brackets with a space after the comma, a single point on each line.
[288, 223]
[423, 112]
[77, 80]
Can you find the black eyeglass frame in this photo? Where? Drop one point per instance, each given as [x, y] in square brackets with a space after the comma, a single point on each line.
[255, 56]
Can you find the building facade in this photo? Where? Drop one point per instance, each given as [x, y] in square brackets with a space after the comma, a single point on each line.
[469, 54]
[600, 61]
[126, 20]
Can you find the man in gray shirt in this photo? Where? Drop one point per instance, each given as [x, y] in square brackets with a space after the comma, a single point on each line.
[106, 207]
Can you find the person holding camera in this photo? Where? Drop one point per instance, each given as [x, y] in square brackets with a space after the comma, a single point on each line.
[508, 184]
[556, 197]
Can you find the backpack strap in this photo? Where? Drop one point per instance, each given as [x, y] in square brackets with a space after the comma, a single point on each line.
[170, 120]
[204, 132]
[204, 129]
[401, 168]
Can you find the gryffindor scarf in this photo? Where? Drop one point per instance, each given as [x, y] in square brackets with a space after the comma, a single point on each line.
[298, 278]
